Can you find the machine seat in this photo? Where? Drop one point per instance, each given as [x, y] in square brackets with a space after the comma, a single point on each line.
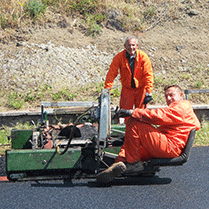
[177, 160]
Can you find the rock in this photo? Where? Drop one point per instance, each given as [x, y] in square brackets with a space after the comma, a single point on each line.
[192, 12]
[58, 66]
[21, 44]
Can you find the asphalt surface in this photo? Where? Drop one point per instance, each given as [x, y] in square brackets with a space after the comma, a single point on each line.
[179, 187]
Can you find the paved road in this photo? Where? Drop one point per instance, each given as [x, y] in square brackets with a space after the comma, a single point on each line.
[179, 187]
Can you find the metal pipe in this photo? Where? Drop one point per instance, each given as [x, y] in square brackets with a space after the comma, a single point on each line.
[42, 114]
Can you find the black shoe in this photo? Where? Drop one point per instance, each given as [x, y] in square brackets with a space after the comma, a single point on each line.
[134, 167]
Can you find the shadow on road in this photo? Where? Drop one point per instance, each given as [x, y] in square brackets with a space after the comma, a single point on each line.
[117, 182]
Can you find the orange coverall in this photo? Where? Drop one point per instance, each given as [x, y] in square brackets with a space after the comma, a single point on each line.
[143, 141]
[143, 78]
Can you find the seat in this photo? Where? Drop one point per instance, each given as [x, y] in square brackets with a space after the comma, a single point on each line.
[177, 160]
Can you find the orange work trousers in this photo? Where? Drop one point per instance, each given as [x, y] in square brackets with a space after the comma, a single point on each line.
[130, 98]
[143, 142]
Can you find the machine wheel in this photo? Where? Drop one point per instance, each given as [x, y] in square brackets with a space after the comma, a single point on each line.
[10, 179]
[9, 176]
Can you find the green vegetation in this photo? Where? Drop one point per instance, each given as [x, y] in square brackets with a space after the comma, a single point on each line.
[193, 78]
[202, 135]
[93, 15]
[34, 8]
[15, 100]
[5, 131]
[63, 94]
[124, 15]
[99, 88]
[33, 97]
[115, 92]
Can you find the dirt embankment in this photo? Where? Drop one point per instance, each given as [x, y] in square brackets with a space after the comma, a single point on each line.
[177, 47]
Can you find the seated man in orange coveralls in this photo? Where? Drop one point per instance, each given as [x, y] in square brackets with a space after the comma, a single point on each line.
[144, 141]
[135, 74]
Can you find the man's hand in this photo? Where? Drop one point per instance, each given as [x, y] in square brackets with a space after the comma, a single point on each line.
[123, 113]
[147, 99]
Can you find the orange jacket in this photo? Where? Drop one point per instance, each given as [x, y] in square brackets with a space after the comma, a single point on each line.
[175, 121]
[143, 75]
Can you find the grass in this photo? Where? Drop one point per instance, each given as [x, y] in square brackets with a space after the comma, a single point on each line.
[124, 15]
[33, 97]
[5, 133]
[193, 78]
[202, 135]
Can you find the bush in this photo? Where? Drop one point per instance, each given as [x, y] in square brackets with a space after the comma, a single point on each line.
[34, 8]
[15, 101]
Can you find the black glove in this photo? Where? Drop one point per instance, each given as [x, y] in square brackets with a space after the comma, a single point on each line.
[123, 113]
[147, 99]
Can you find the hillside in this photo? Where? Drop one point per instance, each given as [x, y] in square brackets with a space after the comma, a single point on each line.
[178, 48]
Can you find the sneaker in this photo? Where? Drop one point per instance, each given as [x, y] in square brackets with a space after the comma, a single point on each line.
[113, 171]
[134, 167]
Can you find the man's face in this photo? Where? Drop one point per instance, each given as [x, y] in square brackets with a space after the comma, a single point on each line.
[131, 46]
[173, 94]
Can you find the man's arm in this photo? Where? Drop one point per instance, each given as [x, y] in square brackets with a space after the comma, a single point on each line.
[162, 116]
[148, 72]
[113, 72]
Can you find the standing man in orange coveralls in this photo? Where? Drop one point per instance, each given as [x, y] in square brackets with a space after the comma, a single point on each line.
[136, 75]
[143, 141]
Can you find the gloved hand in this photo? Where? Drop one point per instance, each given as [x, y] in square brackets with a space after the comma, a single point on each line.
[147, 99]
[123, 113]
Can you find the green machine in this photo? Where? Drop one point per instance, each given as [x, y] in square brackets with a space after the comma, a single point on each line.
[74, 151]
[80, 150]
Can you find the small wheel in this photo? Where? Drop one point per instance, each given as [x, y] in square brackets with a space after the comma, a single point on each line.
[9, 178]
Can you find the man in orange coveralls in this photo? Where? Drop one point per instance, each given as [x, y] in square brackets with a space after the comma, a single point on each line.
[136, 75]
[144, 141]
